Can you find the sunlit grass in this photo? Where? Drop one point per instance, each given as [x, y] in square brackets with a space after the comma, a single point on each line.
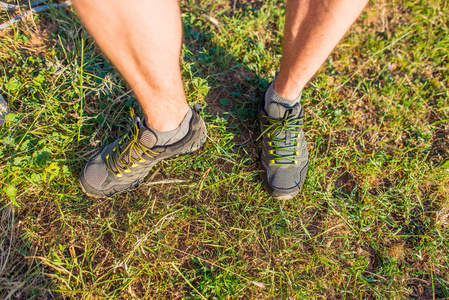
[371, 221]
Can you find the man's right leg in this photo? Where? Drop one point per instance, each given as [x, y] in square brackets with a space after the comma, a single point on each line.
[143, 40]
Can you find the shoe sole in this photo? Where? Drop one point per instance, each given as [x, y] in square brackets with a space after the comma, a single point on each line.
[133, 185]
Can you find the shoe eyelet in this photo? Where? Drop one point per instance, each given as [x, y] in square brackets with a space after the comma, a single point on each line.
[271, 151]
[272, 162]
[142, 160]
[119, 175]
[127, 171]
[134, 165]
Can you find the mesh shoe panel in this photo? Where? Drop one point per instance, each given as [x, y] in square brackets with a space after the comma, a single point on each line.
[147, 138]
[284, 179]
[96, 174]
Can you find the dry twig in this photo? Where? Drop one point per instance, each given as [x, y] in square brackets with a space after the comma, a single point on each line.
[9, 7]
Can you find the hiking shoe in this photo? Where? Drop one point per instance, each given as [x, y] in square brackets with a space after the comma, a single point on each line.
[284, 158]
[124, 164]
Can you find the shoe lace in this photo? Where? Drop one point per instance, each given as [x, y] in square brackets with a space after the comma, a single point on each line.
[122, 155]
[283, 148]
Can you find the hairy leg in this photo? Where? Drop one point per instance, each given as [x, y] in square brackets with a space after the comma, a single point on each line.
[143, 40]
[312, 30]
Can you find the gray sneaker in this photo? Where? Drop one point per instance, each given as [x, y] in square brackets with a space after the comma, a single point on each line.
[284, 158]
[123, 164]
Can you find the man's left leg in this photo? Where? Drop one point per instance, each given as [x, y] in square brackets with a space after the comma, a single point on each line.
[312, 29]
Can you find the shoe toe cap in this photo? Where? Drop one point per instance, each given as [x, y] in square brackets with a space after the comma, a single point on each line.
[95, 172]
[285, 179]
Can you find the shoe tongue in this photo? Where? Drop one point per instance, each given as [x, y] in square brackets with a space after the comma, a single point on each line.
[277, 110]
[146, 136]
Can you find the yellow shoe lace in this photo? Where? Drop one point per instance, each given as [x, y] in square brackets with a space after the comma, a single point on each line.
[274, 128]
[122, 158]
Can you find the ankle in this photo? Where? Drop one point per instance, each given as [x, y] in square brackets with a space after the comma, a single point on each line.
[287, 89]
[166, 122]
[165, 138]
[272, 95]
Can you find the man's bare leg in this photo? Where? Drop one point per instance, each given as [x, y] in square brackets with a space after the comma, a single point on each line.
[312, 29]
[143, 41]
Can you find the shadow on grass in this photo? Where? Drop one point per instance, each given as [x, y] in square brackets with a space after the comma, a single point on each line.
[22, 276]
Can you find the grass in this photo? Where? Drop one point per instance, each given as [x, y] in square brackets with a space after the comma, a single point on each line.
[372, 221]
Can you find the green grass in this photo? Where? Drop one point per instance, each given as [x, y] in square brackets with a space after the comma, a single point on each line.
[372, 221]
